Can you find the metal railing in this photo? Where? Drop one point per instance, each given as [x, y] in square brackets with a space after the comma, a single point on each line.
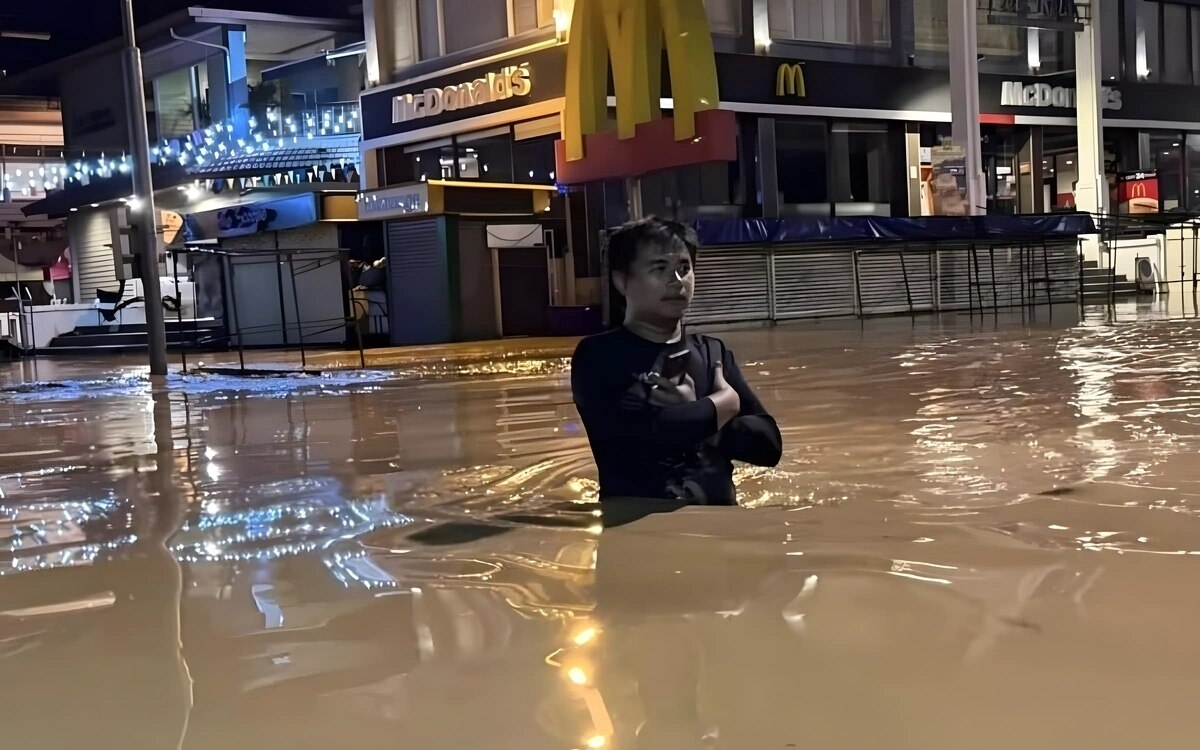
[297, 263]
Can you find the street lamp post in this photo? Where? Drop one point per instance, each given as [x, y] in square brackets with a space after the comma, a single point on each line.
[142, 206]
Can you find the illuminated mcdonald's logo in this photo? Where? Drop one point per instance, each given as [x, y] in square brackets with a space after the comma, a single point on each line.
[1138, 190]
[789, 80]
[632, 35]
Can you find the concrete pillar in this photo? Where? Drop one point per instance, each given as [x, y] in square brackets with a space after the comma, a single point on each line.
[1091, 191]
[377, 23]
[964, 97]
[1091, 194]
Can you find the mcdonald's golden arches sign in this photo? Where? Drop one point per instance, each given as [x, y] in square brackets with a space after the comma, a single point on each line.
[632, 35]
[789, 80]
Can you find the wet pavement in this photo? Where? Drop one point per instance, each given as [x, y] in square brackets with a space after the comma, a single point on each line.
[982, 535]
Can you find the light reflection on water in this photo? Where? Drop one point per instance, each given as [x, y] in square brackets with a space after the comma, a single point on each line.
[977, 528]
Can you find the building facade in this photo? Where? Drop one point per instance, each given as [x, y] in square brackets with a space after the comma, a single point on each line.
[253, 121]
[840, 106]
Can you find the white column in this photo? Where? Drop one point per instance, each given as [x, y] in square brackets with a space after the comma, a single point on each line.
[1091, 193]
[964, 97]
[377, 23]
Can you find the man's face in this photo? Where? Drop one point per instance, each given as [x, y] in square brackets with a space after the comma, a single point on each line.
[660, 282]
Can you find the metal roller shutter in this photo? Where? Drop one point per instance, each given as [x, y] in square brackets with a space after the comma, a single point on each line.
[813, 283]
[418, 283]
[91, 236]
[731, 286]
[893, 283]
[1064, 273]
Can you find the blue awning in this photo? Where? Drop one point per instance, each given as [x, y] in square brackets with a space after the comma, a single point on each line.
[719, 232]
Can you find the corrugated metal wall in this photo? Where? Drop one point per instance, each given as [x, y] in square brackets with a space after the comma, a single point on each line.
[90, 232]
[785, 283]
[421, 304]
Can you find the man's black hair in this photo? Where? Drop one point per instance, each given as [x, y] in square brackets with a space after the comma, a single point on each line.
[625, 241]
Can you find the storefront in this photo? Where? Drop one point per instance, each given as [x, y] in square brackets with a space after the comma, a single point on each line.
[460, 167]
[818, 138]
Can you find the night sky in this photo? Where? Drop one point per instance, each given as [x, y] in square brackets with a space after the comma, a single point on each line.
[78, 24]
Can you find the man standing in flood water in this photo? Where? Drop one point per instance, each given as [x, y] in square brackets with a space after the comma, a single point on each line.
[666, 412]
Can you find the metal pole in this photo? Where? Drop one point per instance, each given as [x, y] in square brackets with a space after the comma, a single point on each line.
[296, 301]
[143, 189]
[16, 244]
[183, 345]
[964, 98]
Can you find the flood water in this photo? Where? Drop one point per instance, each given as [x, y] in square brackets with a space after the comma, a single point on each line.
[983, 534]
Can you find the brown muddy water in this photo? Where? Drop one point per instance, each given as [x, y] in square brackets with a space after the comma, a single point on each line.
[983, 535]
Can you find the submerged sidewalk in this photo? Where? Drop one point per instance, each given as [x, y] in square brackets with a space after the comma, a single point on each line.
[464, 355]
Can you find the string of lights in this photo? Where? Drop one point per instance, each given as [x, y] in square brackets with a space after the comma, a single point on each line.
[203, 150]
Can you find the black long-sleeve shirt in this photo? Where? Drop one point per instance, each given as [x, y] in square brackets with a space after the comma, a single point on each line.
[675, 452]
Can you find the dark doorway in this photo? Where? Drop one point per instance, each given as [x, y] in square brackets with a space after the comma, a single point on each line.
[524, 291]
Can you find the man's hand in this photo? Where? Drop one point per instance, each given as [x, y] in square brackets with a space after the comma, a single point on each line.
[665, 392]
[726, 399]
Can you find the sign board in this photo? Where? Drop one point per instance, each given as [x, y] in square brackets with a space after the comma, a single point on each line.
[1042, 95]
[392, 203]
[1137, 193]
[496, 87]
[512, 81]
[648, 43]
[171, 224]
[1035, 14]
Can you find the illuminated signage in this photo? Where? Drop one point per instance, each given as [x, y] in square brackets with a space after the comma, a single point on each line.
[1018, 94]
[789, 80]
[631, 34]
[394, 202]
[510, 82]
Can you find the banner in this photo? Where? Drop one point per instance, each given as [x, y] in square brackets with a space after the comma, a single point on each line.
[251, 218]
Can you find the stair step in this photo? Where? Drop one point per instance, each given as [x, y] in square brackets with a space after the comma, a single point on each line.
[1090, 264]
[171, 325]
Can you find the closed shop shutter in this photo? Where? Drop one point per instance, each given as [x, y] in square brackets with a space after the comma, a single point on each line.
[895, 283]
[953, 279]
[419, 282]
[731, 286]
[1004, 276]
[1064, 272]
[813, 283]
[90, 233]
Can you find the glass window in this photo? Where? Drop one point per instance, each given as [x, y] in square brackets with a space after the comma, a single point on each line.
[1166, 151]
[1177, 65]
[1193, 172]
[175, 103]
[470, 23]
[858, 22]
[486, 155]
[931, 25]
[533, 160]
[1195, 45]
[861, 169]
[428, 29]
[724, 16]
[530, 15]
[419, 162]
[1110, 39]
[801, 163]
[1147, 41]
